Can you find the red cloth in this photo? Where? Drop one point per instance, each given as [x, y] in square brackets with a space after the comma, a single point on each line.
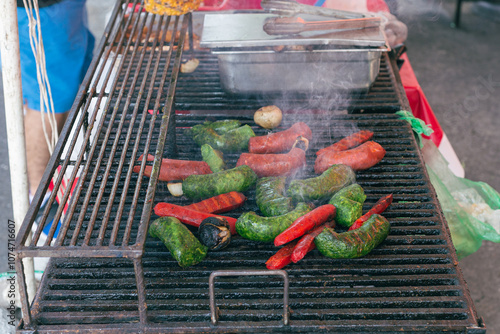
[418, 102]
[372, 5]
[377, 6]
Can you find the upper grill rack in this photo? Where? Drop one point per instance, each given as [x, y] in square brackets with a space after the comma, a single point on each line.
[122, 110]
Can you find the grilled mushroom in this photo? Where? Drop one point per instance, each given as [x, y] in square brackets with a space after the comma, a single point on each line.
[268, 117]
[214, 233]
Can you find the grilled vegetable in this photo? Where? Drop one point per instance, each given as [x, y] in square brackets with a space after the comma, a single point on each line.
[360, 158]
[220, 203]
[306, 243]
[378, 208]
[355, 243]
[187, 216]
[231, 141]
[268, 117]
[278, 142]
[282, 258]
[270, 196]
[181, 243]
[323, 186]
[348, 142]
[284, 164]
[175, 189]
[257, 228]
[240, 179]
[214, 233]
[190, 65]
[306, 223]
[349, 203]
[173, 169]
[213, 158]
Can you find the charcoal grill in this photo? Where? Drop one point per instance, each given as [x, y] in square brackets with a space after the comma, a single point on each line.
[105, 275]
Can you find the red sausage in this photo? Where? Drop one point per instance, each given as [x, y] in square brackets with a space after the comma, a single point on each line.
[274, 164]
[359, 158]
[187, 216]
[348, 142]
[306, 223]
[306, 243]
[378, 208]
[220, 203]
[279, 141]
[172, 169]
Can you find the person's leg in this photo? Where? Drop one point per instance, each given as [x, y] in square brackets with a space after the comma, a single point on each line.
[37, 152]
[68, 48]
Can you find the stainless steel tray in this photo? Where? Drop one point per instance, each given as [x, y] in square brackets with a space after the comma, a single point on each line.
[253, 62]
[309, 72]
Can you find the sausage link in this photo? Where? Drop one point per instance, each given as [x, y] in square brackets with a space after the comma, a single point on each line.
[360, 158]
[348, 142]
[173, 169]
[279, 141]
[284, 164]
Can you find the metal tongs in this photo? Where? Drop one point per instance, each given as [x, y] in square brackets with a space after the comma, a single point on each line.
[296, 25]
[289, 24]
[292, 8]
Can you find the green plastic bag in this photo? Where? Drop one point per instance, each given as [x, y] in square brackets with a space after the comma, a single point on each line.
[472, 209]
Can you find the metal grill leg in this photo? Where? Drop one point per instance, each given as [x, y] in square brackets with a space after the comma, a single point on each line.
[25, 305]
[141, 291]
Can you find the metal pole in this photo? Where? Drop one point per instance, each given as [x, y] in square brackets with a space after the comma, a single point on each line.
[14, 117]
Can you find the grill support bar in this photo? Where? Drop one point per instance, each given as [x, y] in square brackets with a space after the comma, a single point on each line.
[214, 310]
[141, 291]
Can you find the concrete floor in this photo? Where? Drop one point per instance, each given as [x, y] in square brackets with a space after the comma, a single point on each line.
[458, 70]
[452, 67]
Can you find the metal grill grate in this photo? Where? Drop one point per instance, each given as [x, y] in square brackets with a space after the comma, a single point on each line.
[411, 282]
[201, 90]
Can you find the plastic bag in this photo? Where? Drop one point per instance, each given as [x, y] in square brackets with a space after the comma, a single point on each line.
[418, 125]
[472, 209]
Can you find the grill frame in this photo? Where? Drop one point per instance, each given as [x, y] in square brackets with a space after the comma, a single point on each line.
[142, 264]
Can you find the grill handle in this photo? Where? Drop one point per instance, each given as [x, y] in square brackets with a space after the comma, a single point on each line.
[214, 310]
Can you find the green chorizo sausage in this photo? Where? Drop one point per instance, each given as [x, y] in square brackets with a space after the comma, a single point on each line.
[240, 179]
[354, 192]
[220, 127]
[349, 203]
[265, 229]
[231, 141]
[355, 243]
[181, 243]
[213, 158]
[322, 187]
[270, 196]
